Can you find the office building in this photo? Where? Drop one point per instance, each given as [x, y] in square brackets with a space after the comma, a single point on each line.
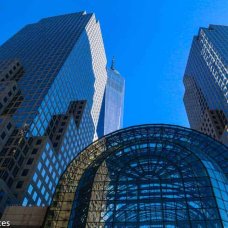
[205, 80]
[52, 83]
[145, 176]
[111, 117]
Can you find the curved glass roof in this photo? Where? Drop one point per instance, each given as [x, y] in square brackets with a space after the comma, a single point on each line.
[145, 176]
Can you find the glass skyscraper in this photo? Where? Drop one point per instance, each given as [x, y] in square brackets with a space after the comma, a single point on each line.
[52, 83]
[111, 116]
[206, 82]
[145, 176]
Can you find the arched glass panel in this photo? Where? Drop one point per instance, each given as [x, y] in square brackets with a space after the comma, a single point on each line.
[145, 176]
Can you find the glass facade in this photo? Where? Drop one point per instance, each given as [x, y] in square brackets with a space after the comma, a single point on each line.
[111, 115]
[52, 83]
[145, 176]
[205, 80]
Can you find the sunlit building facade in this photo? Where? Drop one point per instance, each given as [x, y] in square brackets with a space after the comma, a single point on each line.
[52, 83]
[145, 176]
[111, 115]
[206, 81]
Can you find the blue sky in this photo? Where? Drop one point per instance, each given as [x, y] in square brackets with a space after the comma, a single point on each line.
[150, 40]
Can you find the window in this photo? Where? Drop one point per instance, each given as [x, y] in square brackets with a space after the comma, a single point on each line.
[34, 196]
[47, 196]
[30, 161]
[3, 135]
[60, 130]
[51, 153]
[9, 125]
[39, 184]
[25, 172]
[10, 182]
[47, 162]
[35, 177]
[62, 162]
[39, 166]
[43, 156]
[43, 173]
[58, 137]
[50, 185]
[25, 202]
[4, 175]
[46, 179]
[5, 99]
[47, 146]
[19, 184]
[59, 172]
[38, 202]
[34, 151]
[30, 189]
[39, 142]
[43, 190]
[55, 144]
[15, 171]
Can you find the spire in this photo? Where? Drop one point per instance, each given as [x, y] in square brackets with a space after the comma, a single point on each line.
[113, 63]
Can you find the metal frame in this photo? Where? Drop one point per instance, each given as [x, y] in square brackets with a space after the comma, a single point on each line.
[145, 176]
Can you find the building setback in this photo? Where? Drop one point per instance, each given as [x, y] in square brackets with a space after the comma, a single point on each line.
[205, 81]
[52, 83]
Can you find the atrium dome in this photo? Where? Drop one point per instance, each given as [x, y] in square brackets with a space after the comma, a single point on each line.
[145, 176]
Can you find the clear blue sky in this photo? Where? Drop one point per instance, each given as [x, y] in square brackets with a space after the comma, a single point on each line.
[150, 40]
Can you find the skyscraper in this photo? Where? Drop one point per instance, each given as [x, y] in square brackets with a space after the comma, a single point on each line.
[52, 83]
[111, 116]
[145, 176]
[205, 80]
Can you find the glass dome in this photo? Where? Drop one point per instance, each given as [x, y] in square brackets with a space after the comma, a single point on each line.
[145, 176]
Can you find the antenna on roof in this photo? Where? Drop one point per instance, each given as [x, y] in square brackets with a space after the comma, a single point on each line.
[113, 63]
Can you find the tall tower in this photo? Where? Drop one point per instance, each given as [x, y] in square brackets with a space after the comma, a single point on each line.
[52, 83]
[205, 80]
[111, 117]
